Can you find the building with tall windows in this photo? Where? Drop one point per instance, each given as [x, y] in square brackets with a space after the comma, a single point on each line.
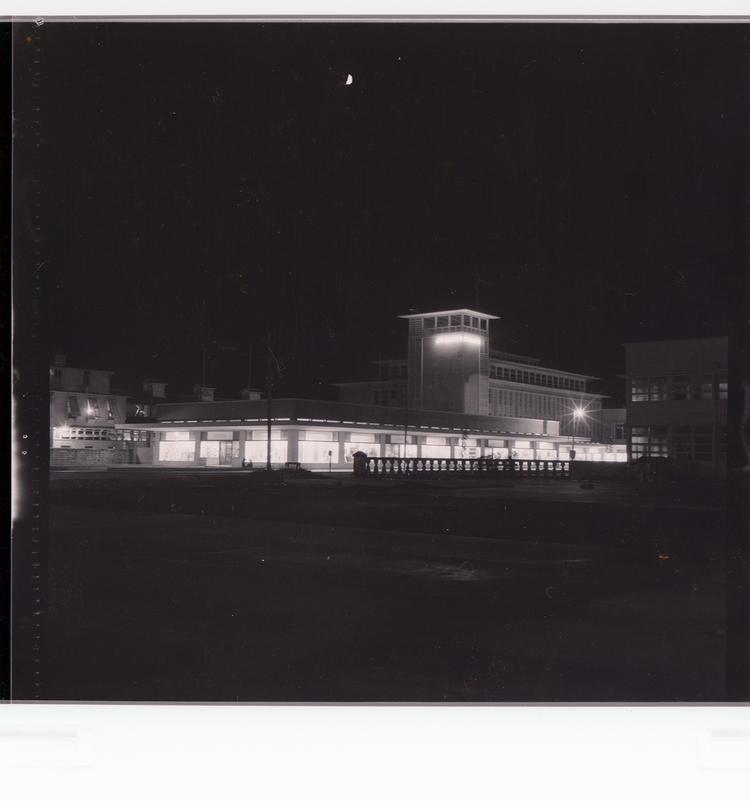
[452, 397]
[83, 412]
[451, 367]
[676, 398]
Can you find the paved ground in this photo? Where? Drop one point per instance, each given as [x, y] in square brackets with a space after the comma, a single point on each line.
[200, 588]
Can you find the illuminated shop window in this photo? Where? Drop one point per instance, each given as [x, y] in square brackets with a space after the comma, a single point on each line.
[213, 435]
[483, 324]
[321, 436]
[255, 451]
[397, 450]
[442, 322]
[369, 448]
[318, 452]
[467, 321]
[455, 319]
[475, 322]
[429, 322]
[175, 436]
[176, 451]
[262, 434]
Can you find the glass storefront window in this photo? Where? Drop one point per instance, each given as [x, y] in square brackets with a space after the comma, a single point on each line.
[320, 436]
[175, 436]
[219, 435]
[350, 448]
[176, 451]
[255, 451]
[436, 451]
[318, 452]
[398, 450]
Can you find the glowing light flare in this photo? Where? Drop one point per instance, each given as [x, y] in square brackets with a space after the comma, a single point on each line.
[579, 411]
[443, 340]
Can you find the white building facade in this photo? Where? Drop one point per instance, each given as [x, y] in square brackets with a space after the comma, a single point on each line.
[453, 397]
[83, 411]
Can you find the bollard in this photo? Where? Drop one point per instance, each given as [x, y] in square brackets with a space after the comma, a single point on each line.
[360, 464]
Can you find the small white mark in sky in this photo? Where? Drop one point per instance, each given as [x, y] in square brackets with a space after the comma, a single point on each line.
[349, 79]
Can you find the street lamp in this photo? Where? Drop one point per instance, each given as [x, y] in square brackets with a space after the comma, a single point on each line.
[578, 414]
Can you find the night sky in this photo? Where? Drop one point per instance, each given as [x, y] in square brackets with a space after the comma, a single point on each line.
[213, 182]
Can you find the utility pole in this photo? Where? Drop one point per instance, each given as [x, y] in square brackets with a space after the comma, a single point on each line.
[269, 399]
[249, 366]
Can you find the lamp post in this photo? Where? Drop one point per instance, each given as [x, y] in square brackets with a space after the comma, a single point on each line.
[578, 414]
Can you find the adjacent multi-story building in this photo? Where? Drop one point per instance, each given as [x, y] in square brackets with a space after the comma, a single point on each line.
[676, 399]
[83, 411]
[452, 368]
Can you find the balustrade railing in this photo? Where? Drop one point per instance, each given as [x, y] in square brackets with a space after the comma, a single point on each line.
[394, 465]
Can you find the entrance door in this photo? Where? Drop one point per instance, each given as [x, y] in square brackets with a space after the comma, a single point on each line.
[226, 451]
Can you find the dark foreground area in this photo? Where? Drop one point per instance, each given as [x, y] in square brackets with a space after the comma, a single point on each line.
[205, 587]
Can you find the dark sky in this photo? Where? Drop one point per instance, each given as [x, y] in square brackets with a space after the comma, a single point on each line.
[216, 181]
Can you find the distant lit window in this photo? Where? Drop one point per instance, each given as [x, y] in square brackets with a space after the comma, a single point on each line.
[723, 389]
[657, 389]
[703, 445]
[703, 388]
[682, 443]
[723, 444]
[681, 387]
[92, 407]
[111, 409]
[71, 406]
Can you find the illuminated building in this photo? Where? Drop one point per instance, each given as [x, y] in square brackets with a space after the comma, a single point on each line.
[83, 411]
[453, 397]
[451, 367]
[676, 398]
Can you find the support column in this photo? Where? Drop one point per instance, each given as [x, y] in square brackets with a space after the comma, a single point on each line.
[196, 435]
[292, 445]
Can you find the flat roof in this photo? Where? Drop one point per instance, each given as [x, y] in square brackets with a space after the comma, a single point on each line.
[450, 311]
[684, 341]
